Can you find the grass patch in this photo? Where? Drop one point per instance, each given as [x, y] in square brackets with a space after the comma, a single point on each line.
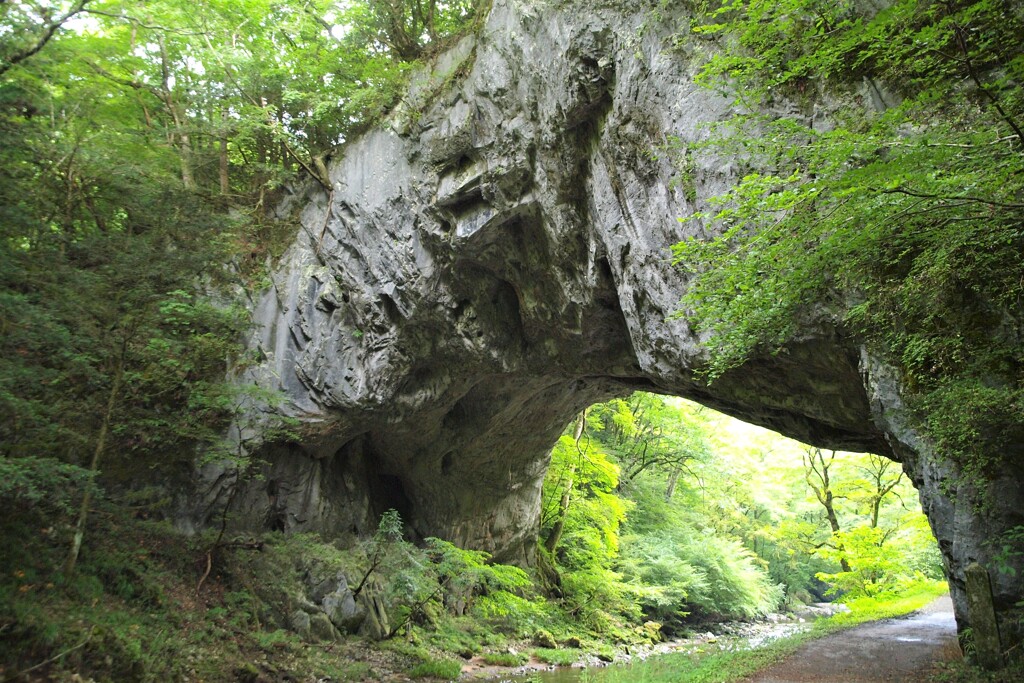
[447, 669]
[504, 659]
[557, 657]
[726, 667]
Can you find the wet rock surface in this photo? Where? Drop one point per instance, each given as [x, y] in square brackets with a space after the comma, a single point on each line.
[493, 259]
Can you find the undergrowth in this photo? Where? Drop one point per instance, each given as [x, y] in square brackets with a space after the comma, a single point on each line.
[132, 611]
[150, 604]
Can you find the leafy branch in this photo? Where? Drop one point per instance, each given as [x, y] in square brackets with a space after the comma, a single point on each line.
[51, 26]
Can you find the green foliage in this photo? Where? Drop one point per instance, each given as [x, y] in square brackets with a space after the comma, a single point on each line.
[962, 671]
[119, 600]
[1010, 546]
[679, 567]
[884, 559]
[901, 218]
[411, 29]
[730, 529]
[514, 614]
[108, 343]
[645, 432]
[45, 483]
[417, 582]
[874, 563]
[118, 129]
[144, 144]
[446, 669]
[505, 659]
[469, 570]
[500, 594]
[557, 657]
[665, 564]
[138, 584]
[580, 517]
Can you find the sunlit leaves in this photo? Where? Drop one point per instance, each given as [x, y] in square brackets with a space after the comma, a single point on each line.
[900, 218]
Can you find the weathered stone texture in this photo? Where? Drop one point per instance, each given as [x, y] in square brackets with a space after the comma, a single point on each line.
[488, 266]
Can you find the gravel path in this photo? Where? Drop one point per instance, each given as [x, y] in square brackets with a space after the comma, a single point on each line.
[891, 650]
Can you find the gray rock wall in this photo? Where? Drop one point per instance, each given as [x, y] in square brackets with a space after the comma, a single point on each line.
[495, 258]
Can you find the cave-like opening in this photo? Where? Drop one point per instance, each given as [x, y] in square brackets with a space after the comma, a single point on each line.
[698, 517]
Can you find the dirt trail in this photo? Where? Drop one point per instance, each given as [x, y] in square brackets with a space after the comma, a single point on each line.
[891, 650]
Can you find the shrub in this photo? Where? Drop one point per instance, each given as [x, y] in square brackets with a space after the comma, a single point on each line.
[448, 669]
[42, 482]
[556, 657]
[505, 658]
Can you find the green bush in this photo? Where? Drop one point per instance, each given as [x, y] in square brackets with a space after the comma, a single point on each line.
[505, 658]
[676, 568]
[448, 669]
[512, 613]
[556, 657]
[43, 482]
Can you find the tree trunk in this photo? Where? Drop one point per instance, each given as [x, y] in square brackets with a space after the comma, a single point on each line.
[185, 152]
[563, 510]
[833, 521]
[823, 493]
[551, 542]
[101, 444]
[225, 186]
[179, 136]
[673, 479]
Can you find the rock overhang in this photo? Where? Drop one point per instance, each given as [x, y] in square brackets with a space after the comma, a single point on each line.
[484, 269]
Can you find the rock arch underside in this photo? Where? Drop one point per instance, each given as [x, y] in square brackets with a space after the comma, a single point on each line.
[494, 258]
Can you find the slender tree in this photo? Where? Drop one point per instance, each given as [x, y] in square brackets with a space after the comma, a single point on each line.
[817, 474]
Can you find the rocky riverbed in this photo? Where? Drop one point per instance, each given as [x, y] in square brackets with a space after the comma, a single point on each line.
[722, 636]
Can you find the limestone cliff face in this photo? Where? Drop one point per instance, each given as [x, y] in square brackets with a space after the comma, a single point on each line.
[495, 258]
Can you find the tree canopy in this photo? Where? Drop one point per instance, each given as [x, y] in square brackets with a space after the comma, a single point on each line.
[883, 164]
[143, 144]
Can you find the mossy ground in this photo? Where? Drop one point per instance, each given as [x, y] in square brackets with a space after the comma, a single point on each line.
[139, 609]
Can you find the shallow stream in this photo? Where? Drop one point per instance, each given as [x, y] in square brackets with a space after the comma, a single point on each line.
[739, 637]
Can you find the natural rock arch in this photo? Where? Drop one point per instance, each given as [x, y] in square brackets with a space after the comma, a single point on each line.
[493, 259]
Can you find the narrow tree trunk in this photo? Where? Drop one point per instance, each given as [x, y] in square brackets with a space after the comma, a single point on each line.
[814, 463]
[563, 511]
[185, 152]
[225, 185]
[563, 504]
[101, 444]
[179, 136]
[833, 521]
[673, 479]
